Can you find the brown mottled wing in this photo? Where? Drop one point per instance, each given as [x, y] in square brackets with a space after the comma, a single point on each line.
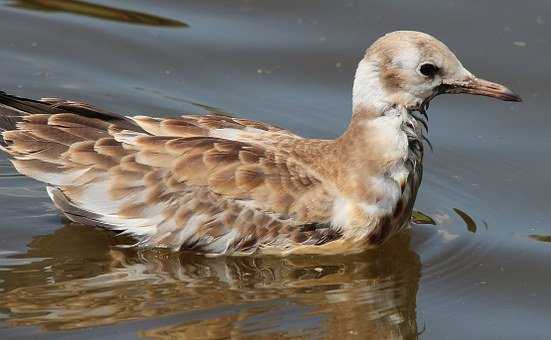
[197, 191]
[205, 125]
[212, 194]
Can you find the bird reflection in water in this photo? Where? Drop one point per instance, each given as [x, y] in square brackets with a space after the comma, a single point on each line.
[80, 277]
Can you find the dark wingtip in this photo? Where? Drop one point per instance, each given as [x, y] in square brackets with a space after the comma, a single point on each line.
[513, 97]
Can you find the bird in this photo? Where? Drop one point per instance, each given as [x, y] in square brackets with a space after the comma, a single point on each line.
[223, 185]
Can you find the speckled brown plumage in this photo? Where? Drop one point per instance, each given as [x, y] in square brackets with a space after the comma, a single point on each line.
[224, 185]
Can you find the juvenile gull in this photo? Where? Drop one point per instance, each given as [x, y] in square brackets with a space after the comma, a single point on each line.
[222, 185]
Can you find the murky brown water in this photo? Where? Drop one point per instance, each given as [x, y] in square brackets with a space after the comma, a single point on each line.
[481, 272]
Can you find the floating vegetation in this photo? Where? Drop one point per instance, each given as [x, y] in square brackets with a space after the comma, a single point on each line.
[96, 11]
[541, 238]
[418, 217]
[469, 221]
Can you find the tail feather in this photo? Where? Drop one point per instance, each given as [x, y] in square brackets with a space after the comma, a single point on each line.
[13, 109]
[19, 106]
[39, 136]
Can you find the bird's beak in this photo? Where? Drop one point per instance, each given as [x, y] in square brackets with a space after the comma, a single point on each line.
[481, 87]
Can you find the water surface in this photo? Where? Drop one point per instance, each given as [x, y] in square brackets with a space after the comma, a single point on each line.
[480, 271]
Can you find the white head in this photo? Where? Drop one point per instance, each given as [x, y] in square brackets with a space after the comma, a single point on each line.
[409, 68]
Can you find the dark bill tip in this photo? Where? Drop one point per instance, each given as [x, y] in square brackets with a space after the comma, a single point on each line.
[486, 88]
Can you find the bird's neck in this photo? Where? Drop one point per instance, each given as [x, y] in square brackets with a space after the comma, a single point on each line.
[382, 136]
[374, 141]
[369, 94]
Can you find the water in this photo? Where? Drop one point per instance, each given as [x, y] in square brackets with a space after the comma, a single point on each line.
[482, 271]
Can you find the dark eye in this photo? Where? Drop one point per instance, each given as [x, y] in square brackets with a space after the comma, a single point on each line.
[428, 70]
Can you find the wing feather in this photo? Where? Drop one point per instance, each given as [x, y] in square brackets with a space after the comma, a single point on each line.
[174, 182]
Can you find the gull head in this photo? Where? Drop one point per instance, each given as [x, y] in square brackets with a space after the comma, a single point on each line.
[410, 68]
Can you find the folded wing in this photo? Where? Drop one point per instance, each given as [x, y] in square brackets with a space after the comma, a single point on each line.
[211, 183]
